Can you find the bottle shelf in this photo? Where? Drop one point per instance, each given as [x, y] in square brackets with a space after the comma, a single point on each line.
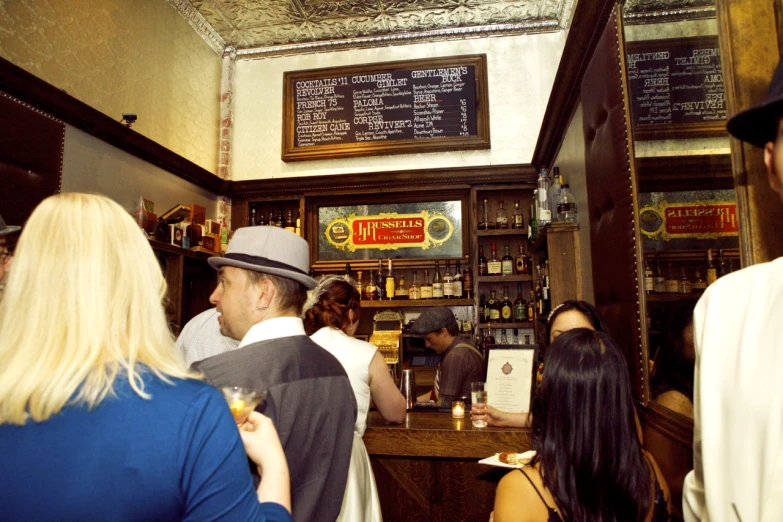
[507, 326]
[669, 297]
[516, 278]
[502, 232]
[415, 303]
[690, 255]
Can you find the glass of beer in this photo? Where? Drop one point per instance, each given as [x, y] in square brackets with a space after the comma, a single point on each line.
[242, 401]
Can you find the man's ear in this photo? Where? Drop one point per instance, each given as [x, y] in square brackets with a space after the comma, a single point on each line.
[266, 294]
[772, 174]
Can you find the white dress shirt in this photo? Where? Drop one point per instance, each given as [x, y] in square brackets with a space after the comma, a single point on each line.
[738, 398]
[201, 338]
[273, 329]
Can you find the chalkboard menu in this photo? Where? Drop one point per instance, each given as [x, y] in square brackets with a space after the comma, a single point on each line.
[676, 85]
[386, 108]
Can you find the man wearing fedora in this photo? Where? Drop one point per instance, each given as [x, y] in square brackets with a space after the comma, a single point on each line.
[262, 286]
[738, 390]
[6, 257]
[461, 364]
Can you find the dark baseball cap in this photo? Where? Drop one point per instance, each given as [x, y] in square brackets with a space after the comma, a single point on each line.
[433, 320]
[759, 124]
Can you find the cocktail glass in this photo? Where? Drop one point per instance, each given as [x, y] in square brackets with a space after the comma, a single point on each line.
[242, 401]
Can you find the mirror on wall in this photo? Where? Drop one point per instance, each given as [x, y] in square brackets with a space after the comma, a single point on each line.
[686, 201]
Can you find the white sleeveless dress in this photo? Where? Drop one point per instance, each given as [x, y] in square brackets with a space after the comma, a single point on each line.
[360, 502]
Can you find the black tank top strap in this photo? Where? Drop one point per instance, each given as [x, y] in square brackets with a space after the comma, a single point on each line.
[553, 516]
[660, 509]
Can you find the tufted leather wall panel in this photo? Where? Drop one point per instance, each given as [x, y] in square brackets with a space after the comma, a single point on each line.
[611, 195]
[31, 158]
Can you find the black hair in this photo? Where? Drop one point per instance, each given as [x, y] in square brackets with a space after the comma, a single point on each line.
[584, 308]
[672, 369]
[587, 446]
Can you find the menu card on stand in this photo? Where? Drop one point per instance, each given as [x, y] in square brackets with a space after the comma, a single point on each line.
[510, 377]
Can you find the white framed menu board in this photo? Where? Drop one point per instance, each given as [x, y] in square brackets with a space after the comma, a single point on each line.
[511, 377]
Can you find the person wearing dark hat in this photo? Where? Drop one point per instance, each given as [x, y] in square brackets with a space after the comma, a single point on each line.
[461, 363]
[262, 286]
[738, 340]
[6, 257]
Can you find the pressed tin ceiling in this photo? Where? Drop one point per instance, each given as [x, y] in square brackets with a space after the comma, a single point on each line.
[651, 11]
[258, 28]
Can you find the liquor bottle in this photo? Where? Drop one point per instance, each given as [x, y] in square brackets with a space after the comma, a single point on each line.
[649, 283]
[482, 309]
[359, 285]
[507, 263]
[390, 286]
[659, 283]
[522, 261]
[271, 221]
[494, 266]
[437, 283]
[482, 262]
[485, 223]
[252, 215]
[685, 283]
[723, 267]
[712, 272]
[532, 225]
[458, 290]
[506, 307]
[699, 284]
[518, 221]
[380, 281]
[401, 292]
[467, 282]
[520, 307]
[279, 220]
[347, 276]
[554, 193]
[566, 205]
[298, 226]
[539, 300]
[488, 339]
[371, 290]
[413, 291]
[289, 222]
[262, 219]
[517, 336]
[426, 287]
[546, 302]
[501, 217]
[493, 305]
[544, 208]
[672, 284]
[531, 307]
[503, 338]
[448, 282]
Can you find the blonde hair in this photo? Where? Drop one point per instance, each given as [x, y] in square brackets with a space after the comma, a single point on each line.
[82, 305]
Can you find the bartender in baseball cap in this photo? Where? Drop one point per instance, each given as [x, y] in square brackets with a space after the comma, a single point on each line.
[461, 362]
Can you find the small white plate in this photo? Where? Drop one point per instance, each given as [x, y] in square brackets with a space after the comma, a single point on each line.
[495, 461]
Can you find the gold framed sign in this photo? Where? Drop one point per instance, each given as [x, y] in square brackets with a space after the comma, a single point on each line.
[401, 107]
[694, 219]
[390, 231]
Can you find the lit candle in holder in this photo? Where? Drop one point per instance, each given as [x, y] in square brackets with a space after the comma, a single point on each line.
[458, 409]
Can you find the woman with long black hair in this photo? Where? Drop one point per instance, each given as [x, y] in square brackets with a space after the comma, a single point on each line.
[589, 464]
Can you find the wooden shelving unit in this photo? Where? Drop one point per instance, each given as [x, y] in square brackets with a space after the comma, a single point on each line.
[415, 303]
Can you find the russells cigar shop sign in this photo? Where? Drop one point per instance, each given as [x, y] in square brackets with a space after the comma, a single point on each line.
[696, 219]
[399, 230]
[390, 231]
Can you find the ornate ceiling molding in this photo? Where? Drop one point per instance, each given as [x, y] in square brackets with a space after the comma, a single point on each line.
[199, 24]
[637, 12]
[265, 28]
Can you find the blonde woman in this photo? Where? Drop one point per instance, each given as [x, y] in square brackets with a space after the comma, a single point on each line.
[99, 417]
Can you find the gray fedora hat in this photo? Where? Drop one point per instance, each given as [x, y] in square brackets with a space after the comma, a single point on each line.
[270, 250]
[7, 229]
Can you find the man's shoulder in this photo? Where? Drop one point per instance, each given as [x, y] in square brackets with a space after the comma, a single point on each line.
[748, 283]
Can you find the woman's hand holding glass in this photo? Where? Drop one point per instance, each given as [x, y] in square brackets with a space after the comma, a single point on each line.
[501, 419]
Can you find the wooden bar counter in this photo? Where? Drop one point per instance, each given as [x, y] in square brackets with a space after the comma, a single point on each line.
[427, 467]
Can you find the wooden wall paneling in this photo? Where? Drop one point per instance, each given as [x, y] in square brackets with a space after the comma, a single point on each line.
[564, 266]
[27, 87]
[749, 41]
[612, 201]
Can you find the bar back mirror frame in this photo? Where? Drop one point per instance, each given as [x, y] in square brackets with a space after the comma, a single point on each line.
[312, 98]
[442, 227]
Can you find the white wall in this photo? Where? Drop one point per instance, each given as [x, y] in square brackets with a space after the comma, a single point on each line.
[92, 165]
[520, 71]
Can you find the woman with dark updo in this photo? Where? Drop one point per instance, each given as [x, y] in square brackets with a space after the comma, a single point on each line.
[331, 318]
